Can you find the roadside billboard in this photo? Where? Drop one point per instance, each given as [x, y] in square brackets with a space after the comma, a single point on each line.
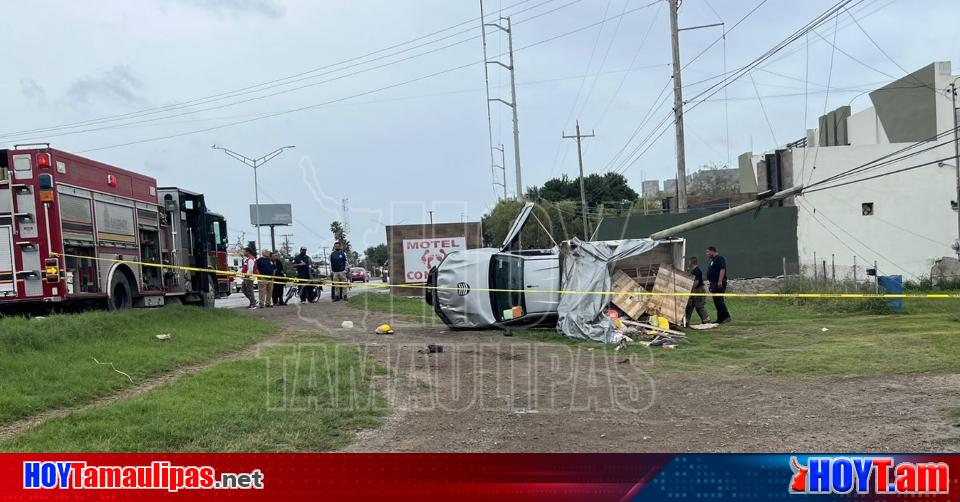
[419, 255]
[272, 214]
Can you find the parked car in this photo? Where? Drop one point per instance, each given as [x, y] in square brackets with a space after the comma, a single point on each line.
[359, 274]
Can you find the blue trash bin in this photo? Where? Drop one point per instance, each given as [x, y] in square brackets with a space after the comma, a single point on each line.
[892, 284]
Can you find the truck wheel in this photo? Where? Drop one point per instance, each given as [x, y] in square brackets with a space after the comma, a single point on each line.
[121, 295]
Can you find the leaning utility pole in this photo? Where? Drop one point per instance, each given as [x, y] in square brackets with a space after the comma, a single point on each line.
[513, 96]
[583, 192]
[678, 109]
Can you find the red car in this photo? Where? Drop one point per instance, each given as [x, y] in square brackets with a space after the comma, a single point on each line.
[359, 274]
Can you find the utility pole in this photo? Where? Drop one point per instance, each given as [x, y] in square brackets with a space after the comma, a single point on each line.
[583, 191]
[286, 251]
[956, 155]
[678, 109]
[254, 163]
[513, 96]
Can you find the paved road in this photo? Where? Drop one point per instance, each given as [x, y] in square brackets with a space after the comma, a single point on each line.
[237, 300]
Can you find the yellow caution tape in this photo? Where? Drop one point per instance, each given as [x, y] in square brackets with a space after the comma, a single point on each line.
[320, 282]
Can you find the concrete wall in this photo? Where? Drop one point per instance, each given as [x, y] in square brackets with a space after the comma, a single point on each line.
[912, 224]
[865, 128]
[746, 163]
[755, 244]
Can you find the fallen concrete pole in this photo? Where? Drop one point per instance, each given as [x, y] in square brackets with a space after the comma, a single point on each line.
[722, 215]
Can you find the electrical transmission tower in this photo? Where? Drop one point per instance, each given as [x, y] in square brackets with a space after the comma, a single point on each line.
[503, 169]
[508, 29]
[346, 218]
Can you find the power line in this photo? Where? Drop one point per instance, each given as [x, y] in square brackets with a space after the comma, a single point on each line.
[372, 91]
[312, 84]
[256, 87]
[636, 55]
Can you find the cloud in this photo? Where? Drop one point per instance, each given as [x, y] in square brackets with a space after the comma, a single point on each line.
[267, 8]
[32, 90]
[117, 84]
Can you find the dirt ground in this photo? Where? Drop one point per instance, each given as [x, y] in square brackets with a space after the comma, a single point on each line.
[488, 392]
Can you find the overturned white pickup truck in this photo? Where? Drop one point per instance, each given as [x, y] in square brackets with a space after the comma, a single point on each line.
[490, 287]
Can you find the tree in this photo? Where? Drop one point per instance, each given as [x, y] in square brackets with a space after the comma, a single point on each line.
[375, 256]
[561, 218]
[340, 235]
[609, 189]
[714, 179]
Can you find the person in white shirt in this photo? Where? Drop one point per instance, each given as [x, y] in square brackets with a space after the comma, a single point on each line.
[248, 270]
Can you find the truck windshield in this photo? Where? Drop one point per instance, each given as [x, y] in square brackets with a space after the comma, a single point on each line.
[506, 273]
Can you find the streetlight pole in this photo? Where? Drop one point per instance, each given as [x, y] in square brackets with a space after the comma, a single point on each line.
[956, 155]
[254, 163]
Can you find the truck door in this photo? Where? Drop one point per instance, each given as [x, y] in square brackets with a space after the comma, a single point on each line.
[541, 283]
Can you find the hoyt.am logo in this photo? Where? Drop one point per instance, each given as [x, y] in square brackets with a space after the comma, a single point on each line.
[873, 475]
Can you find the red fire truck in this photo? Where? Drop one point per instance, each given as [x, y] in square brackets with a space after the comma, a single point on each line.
[73, 231]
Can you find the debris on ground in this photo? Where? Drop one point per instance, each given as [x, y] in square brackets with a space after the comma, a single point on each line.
[824, 330]
[114, 368]
[384, 329]
[346, 325]
[162, 336]
[704, 325]
[434, 349]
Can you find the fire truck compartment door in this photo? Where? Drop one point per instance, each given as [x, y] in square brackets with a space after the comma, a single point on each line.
[30, 259]
[6, 260]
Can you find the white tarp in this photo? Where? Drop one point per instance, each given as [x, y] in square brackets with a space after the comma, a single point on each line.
[586, 267]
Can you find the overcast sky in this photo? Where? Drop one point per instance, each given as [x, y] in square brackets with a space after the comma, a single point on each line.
[402, 138]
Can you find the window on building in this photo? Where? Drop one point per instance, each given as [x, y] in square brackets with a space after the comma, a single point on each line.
[867, 208]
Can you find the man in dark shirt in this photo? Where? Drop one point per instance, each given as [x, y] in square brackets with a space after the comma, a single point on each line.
[302, 263]
[265, 279]
[697, 302]
[279, 281]
[338, 271]
[717, 276]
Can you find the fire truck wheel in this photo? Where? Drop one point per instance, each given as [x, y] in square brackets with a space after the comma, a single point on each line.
[120, 293]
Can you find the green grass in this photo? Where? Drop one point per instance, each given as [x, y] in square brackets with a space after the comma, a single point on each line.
[309, 397]
[415, 308]
[48, 363]
[782, 337]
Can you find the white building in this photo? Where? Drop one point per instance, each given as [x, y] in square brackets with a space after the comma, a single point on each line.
[904, 222]
[650, 188]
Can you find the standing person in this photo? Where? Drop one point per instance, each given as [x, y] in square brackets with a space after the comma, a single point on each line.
[279, 281]
[717, 276]
[248, 269]
[302, 263]
[265, 277]
[338, 269]
[697, 302]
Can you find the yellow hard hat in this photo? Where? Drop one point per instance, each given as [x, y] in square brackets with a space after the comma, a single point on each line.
[384, 329]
